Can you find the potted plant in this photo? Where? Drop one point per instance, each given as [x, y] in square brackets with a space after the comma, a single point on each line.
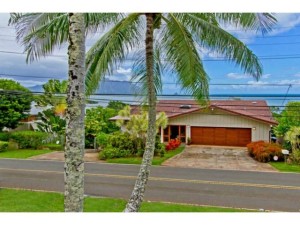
[189, 141]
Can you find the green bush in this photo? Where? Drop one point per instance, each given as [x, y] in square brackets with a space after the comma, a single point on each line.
[3, 145]
[54, 147]
[4, 136]
[294, 157]
[29, 139]
[110, 152]
[121, 141]
[160, 149]
[102, 139]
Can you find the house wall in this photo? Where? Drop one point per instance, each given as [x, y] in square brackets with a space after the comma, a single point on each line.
[220, 118]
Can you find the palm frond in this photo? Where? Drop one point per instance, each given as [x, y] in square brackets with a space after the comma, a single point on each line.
[262, 22]
[97, 21]
[181, 52]
[216, 39]
[110, 49]
[139, 72]
[40, 33]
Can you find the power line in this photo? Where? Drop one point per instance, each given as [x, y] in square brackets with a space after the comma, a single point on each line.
[139, 82]
[206, 60]
[275, 96]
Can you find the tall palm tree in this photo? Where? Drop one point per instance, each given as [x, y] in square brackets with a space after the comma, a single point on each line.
[179, 36]
[40, 33]
[54, 91]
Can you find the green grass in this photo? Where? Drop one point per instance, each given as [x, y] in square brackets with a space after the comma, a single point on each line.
[22, 153]
[33, 201]
[157, 160]
[284, 167]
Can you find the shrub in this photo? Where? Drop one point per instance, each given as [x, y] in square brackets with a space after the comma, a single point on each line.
[4, 136]
[3, 145]
[121, 141]
[54, 147]
[110, 152]
[159, 150]
[102, 139]
[29, 139]
[295, 157]
[263, 151]
[173, 144]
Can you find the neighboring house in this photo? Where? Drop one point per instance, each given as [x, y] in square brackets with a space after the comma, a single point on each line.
[30, 123]
[222, 122]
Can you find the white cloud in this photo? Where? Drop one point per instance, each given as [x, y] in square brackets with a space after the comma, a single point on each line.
[288, 82]
[285, 22]
[237, 76]
[265, 76]
[297, 74]
[124, 71]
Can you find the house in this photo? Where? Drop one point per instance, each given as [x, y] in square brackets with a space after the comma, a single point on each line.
[222, 122]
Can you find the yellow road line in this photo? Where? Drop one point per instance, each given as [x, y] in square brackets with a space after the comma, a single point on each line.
[273, 186]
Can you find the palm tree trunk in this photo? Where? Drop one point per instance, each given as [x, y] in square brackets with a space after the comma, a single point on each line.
[137, 195]
[74, 148]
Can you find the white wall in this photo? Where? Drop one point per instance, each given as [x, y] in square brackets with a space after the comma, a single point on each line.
[220, 118]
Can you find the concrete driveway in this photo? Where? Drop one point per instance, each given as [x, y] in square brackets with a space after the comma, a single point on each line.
[216, 157]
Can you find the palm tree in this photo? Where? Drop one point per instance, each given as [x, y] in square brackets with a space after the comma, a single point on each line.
[178, 35]
[54, 91]
[40, 33]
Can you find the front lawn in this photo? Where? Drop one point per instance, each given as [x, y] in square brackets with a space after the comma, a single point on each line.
[285, 167]
[157, 160]
[22, 153]
[34, 201]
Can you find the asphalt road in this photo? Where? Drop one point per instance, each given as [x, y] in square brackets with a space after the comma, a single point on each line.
[239, 189]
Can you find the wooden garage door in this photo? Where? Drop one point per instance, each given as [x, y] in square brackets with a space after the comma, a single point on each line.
[221, 136]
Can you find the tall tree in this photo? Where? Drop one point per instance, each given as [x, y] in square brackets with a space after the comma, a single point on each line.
[178, 36]
[74, 148]
[15, 103]
[54, 95]
[40, 33]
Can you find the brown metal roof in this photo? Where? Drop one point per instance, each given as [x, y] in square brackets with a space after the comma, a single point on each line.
[255, 109]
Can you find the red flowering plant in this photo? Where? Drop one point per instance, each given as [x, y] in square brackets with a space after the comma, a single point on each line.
[173, 144]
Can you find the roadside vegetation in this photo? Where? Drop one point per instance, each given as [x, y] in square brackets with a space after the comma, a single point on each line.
[157, 160]
[22, 153]
[286, 167]
[34, 201]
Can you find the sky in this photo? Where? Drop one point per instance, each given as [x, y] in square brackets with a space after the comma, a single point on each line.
[279, 53]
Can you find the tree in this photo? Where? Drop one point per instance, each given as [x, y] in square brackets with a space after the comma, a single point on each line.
[51, 123]
[96, 121]
[40, 33]
[74, 147]
[116, 105]
[137, 124]
[178, 35]
[288, 118]
[54, 95]
[15, 103]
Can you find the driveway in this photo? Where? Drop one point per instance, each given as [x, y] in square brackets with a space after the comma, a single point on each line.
[216, 157]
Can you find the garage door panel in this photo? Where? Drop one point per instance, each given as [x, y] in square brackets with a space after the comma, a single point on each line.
[221, 136]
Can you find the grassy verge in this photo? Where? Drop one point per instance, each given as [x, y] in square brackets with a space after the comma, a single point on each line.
[33, 201]
[22, 153]
[284, 167]
[138, 160]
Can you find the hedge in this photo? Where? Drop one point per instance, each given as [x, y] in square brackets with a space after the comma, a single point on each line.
[29, 139]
